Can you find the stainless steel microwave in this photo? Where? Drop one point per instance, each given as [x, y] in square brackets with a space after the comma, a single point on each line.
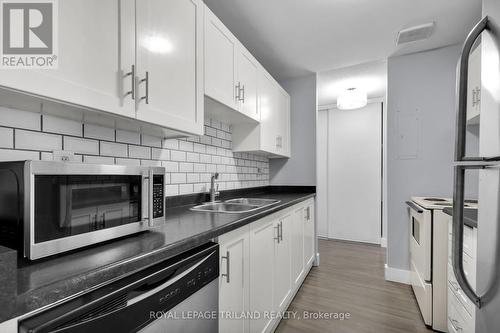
[48, 208]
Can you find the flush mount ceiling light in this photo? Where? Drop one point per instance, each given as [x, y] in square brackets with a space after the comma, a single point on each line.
[351, 99]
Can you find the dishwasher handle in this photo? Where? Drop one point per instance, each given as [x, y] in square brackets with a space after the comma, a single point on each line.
[127, 304]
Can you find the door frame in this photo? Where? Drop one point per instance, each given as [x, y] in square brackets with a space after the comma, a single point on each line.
[322, 179]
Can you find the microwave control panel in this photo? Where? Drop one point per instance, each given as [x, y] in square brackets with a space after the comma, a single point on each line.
[158, 195]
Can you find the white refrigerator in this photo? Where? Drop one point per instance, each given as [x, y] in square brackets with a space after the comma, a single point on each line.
[477, 166]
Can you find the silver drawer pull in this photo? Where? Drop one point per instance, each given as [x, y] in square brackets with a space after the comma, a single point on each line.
[277, 227]
[131, 92]
[227, 258]
[146, 81]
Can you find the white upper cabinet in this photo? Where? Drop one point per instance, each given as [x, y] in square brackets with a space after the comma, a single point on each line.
[95, 52]
[139, 59]
[169, 53]
[283, 123]
[272, 136]
[246, 93]
[220, 66]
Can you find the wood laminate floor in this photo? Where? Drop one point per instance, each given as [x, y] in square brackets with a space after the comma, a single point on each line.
[350, 279]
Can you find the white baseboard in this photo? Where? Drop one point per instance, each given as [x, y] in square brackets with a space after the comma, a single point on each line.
[383, 242]
[397, 275]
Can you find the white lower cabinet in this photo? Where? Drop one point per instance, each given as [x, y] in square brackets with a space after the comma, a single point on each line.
[297, 245]
[234, 280]
[308, 234]
[282, 266]
[263, 234]
[262, 265]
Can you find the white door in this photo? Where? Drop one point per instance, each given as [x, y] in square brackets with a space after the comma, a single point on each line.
[92, 66]
[282, 273]
[234, 280]
[322, 173]
[170, 63]
[263, 236]
[247, 79]
[354, 173]
[297, 245]
[220, 51]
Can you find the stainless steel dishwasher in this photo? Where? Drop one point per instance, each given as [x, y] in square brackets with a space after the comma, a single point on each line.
[177, 295]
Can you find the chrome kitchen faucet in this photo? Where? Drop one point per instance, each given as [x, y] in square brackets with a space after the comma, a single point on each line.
[214, 193]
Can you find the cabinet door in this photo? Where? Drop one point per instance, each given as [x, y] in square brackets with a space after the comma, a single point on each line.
[96, 50]
[170, 63]
[263, 235]
[247, 79]
[267, 109]
[282, 267]
[308, 234]
[283, 123]
[297, 245]
[234, 280]
[220, 51]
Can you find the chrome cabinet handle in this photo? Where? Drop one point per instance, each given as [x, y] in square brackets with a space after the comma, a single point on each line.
[146, 81]
[458, 233]
[277, 238]
[228, 266]
[461, 91]
[238, 90]
[281, 231]
[243, 95]
[131, 92]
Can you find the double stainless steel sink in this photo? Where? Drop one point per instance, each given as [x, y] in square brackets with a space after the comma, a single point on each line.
[240, 205]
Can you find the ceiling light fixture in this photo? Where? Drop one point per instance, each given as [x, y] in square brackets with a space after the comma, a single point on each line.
[351, 99]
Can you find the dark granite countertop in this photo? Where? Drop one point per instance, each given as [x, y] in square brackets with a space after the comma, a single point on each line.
[36, 284]
[470, 216]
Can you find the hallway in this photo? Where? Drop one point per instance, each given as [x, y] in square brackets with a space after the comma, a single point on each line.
[351, 280]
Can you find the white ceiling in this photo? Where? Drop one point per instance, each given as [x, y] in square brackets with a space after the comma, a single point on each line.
[292, 38]
[369, 77]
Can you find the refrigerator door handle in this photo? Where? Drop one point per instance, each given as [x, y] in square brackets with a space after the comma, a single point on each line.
[458, 233]
[461, 92]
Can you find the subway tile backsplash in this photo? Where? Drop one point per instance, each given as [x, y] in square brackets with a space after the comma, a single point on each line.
[189, 162]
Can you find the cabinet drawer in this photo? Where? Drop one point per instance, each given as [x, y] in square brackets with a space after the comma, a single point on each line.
[458, 292]
[459, 320]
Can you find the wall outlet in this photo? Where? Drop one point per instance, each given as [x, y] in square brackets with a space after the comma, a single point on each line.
[63, 156]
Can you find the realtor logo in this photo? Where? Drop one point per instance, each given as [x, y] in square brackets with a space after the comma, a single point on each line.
[29, 38]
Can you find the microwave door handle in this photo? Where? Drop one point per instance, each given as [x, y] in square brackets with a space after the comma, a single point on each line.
[458, 234]
[461, 91]
[150, 199]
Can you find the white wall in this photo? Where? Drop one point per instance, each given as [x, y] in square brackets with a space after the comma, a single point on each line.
[300, 169]
[420, 138]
